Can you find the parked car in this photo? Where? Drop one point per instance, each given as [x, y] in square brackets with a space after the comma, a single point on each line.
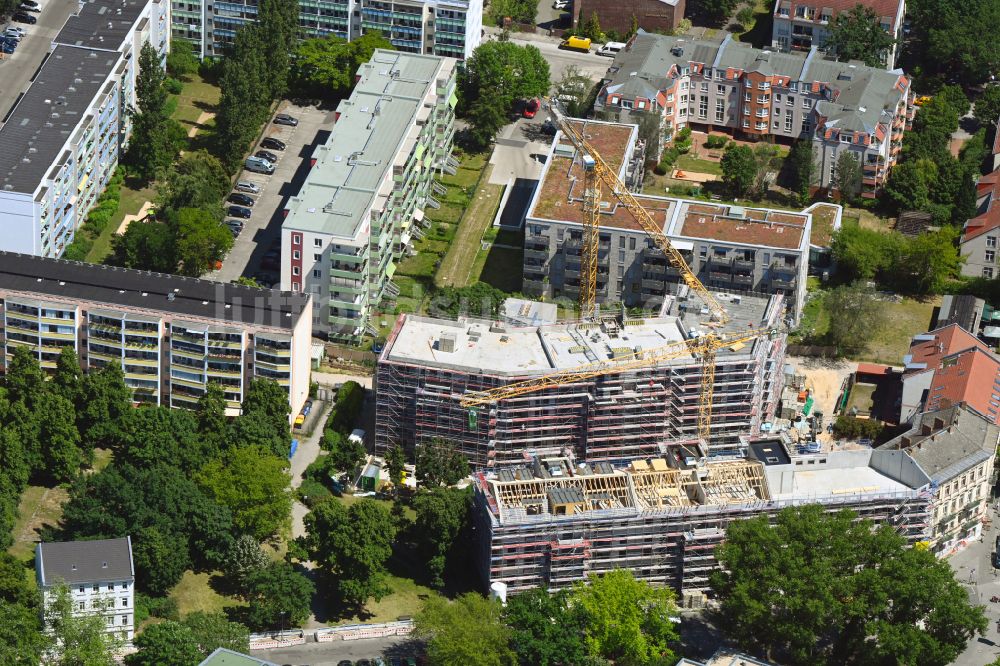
[285, 119]
[265, 155]
[13, 34]
[25, 8]
[247, 186]
[273, 144]
[241, 199]
[30, 3]
[24, 17]
[6, 48]
[239, 211]
[18, 29]
[561, 4]
[531, 108]
[235, 224]
[258, 165]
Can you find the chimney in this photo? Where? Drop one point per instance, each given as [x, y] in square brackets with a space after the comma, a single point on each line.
[938, 423]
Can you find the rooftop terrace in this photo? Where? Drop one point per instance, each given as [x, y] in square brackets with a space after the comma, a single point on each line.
[481, 346]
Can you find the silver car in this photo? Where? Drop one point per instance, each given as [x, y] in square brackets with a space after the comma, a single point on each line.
[247, 186]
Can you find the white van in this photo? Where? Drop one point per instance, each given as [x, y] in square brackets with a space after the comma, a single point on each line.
[258, 165]
[611, 49]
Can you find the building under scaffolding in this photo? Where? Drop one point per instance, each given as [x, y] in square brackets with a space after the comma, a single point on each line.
[429, 365]
[550, 523]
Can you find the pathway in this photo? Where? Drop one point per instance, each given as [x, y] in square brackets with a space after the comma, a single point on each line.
[456, 266]
[198, 124]
[129, 219]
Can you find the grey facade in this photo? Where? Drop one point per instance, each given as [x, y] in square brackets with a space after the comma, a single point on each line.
[758, 94]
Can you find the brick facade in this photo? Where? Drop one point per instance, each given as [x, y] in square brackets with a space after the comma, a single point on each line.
[652, 15]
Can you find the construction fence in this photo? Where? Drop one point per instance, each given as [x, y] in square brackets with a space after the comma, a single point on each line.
[353, 632]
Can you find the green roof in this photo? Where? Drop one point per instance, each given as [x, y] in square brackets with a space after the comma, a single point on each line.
[224, 657]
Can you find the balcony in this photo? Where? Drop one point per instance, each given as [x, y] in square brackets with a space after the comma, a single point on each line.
[719, 276]
[780, 283]
[719, 260]
[743, 280]
[743, 262]
[782, 266]
[541, 255]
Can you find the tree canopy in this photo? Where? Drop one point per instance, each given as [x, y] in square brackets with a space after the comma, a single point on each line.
[325, 67]
[278, 596]
[441, 515]
[465, 632]
[152, 146]
[738, 169]
[438, 464]
[857, 34]
[950, 35]
[253, 484]
[820, 587]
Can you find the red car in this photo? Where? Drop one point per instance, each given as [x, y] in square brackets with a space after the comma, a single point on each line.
[531, 108]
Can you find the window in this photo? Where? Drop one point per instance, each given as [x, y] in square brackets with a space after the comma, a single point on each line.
[806, 127]
[621, 241]
[621, 256]
[704, 85]
[295, 270]
[124, 619]
[317, 257]
[111, 587]
[317, 274]
[762, 99]
[684, 99]
[124, 603]
[631, 243]
[642, 104]
[296, 254]
[776, 123]
[805, 103]
[296, 239]
[81, 589]
[763, 85]
[96, 587]
[124, 586]
[684, 85]
[790, 101]
[721, 89]
[83, 604]
[746, 123]
[991, 256]
[317, 242]
[991, 241]
[627, 104]
[788, 122]
[670, 97]
[845, 138]
[703, 106]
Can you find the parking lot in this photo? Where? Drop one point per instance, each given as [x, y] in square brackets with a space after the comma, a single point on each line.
[18, 68]
[262, 230]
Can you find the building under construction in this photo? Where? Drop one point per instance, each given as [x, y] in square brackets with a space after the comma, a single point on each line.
[551, 523]
[430, 365]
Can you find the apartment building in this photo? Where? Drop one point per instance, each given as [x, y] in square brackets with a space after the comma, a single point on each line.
[801, 25]
[946, 367]
[551, 522]
[98, 575]
[429, 365]
[451, 28]
[173, 336]
[363, 200]
[652, 15]
[955, 448]
[978, 243]
[64, 137]
[759, 94]
[733, 250]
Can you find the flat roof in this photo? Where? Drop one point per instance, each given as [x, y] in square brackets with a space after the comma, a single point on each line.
[101, 24]
[377, 124]
[744, 226]
[559, 196]
[481, 346]
[48, 114]
[61, 280]
[833, 474]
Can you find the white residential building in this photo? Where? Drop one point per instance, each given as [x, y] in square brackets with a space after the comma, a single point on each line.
[99, 575]
[437, 27]
[63, 138]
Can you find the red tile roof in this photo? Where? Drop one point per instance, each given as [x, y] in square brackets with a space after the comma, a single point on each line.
[988, 186]
[947, 340]
[873, 369]
[971, 377]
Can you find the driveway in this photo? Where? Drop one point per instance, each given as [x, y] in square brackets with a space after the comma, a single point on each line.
[330, 654]
[263, 229]
[973, 568]
[18, 68]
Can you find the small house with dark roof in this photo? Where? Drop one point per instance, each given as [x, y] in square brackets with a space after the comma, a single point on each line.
[99, 577]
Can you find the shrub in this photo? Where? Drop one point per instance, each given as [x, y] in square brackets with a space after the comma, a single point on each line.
[661, 169]
[173, 86]
[313, 492]
[162, 607]
[848, 427]
[77, 250]
[716, 141]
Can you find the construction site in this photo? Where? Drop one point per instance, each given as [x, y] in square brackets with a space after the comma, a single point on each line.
[431, 369]
[552, 522]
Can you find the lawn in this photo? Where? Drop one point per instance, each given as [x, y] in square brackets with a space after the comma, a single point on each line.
[194, 592]
[132, 200]
[822, 225]
[39, 507]
[698, 165]
[197, 97]
[902, 321]
[457, 268]
[406, 599]
[861, 397]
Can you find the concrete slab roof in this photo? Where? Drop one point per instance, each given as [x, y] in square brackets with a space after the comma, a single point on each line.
[101, 24]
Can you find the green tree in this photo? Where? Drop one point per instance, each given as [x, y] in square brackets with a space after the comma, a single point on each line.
[347, 409]
[144, 246]
[627, 620]
[854, 315]
[803, 169]
[245, 558]
[950, 35]
[466, 632]
[181, 60]
[346, 454]
[197, 180]
[105, 400]
[573, 91]
[987, 109]
[864, 253]
[739, 169]
[591, 28]
[818, 587]
[200, 238]
[718, 9]
[395, 460]
[438, 464]
[253, 484]
[279, 23]
[257, 431]
[352, 545]
[910, 184]
[847, 178]
[442, 515]
[545, 629]
[244, 99]
[78, 639]
[212, 631]
[746, 17]
[212, 423]
[14, 587]
[21, 640]
[68, 378]
[278, 596]
[24, 379]
[267, 397]
[857, 34]
[165, 644]
[496, 75]
[150, 151]
[60, 438]
[930, 261]
[325, 67]
[153, 435]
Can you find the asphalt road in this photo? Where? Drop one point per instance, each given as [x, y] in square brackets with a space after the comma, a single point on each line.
[973, 567]
[264, 226]
[330, 654]
[18, 68]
